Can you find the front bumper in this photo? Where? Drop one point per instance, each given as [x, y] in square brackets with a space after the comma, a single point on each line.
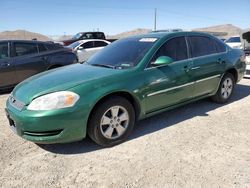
[48, 127]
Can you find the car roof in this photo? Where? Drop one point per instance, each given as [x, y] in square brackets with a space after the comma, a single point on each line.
[166, 34]
[27, 41]
[91, 40]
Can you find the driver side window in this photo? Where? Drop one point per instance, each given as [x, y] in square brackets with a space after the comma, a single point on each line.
[175, 48]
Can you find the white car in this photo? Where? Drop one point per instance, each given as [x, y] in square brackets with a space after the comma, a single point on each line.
[84, 49]
[247, 53]
[234, 42]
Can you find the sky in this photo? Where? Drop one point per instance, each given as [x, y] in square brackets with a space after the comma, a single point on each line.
[59, 17]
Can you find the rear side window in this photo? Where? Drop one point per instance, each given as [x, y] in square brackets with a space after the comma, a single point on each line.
[220, 47]
[100, 44]
[53, 46]
[175, 48]
[99, 36]
[4, 50]
[88, 45]
[41, 48]
[25, 48]
[201, 46]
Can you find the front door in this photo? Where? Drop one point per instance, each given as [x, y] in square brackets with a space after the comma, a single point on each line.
[170, 84]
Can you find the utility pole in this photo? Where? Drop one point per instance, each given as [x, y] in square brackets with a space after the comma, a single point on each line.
[155, 18]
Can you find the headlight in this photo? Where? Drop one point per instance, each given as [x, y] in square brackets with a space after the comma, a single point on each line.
[52, 101]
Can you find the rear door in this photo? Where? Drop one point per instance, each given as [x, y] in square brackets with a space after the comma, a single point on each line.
[27, 60]
[7, 69]
[208, 64]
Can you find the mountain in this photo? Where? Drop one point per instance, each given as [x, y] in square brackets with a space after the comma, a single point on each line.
[23, 35]
[228, 29]
[129, 33]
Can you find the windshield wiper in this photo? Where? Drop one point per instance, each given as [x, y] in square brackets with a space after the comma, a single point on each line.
[102, 65]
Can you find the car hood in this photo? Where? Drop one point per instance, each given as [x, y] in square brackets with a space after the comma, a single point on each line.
[58, 80]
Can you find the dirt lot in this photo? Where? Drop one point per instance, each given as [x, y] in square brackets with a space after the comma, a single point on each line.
[200, 145]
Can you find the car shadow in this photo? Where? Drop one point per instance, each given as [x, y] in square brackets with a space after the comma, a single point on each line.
[154, 123]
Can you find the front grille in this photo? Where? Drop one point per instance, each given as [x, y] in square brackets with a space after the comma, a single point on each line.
[248, 72]
[47, 133]
[16, 103]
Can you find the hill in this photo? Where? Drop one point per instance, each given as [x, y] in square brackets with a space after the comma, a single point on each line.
[23, 35]
[229, 29]
[129, 33]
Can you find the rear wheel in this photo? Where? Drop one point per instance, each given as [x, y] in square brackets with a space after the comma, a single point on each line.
[225, 90]
[111, 122]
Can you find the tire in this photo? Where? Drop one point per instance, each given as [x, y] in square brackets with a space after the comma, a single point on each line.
[111, 122]
[225, 90]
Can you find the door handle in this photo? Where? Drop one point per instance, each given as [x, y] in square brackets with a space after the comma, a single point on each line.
[220, 61]
[186, 68]
[195, 68]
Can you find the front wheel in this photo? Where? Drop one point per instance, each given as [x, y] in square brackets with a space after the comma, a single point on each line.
[225, 90]
[111, 122]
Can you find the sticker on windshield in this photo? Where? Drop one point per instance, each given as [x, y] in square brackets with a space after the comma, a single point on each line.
[148, 39]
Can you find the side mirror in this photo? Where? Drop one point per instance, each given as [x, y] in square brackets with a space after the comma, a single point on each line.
[80, 48]
[163, 60]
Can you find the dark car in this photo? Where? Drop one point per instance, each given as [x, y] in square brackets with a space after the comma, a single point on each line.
[21, 59]
[84, 35]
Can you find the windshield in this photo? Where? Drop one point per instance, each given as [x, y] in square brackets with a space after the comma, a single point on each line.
[77, 36]
[74, 45]
[124, 53]
[233, 39]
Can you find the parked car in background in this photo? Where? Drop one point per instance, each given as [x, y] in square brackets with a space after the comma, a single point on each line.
[20, 59]
[84, 36]
[84, 49]
[130, 79]
[245, 37]
[234, 42]
[247, 54]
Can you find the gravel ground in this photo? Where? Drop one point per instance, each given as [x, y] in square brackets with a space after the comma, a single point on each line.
[202, 144]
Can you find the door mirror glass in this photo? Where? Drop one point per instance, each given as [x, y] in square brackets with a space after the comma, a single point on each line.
[80, 48]
[163, 60]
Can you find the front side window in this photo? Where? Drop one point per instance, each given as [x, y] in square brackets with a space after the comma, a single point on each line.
[4, 50]
[25, 48]
[175, 48]
[201, 46]
[88, 45]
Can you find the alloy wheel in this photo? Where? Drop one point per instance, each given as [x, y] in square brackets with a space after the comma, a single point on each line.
[227, 88]
[114, 122]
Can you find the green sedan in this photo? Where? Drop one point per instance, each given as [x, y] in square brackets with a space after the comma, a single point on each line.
[127, 81]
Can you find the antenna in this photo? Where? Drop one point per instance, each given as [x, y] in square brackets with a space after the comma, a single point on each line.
[155, 19]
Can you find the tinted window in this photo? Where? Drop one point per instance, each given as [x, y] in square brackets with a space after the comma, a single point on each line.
[124, 53]
[233, 39]
[99, 36]
[100, 44]
[88, 45]
[4, 50]
[201, 46]
[87, 36]
[25, 48]
[53, 46]
[42, 48]
[220, 46]
[175, 48]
